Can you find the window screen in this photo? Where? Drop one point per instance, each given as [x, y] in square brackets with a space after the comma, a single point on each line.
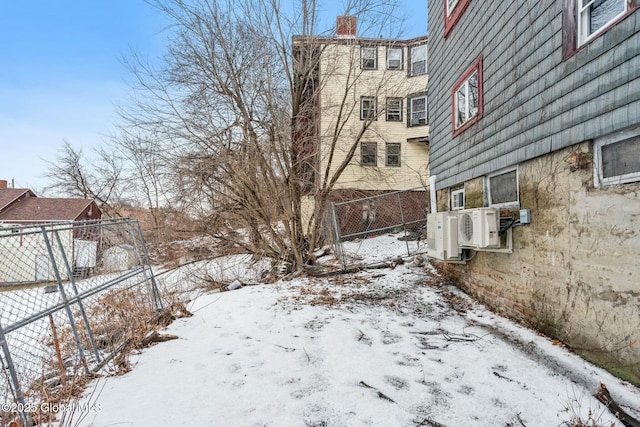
[504, 188]
[621, 158]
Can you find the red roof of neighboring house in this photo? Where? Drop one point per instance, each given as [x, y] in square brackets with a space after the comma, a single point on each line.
[9, 195]
[45, 209]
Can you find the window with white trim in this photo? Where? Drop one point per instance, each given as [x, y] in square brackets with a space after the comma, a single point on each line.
[394, 58]
[393, 154]
[368, 153]
[617, 160]
[369, 58]
[418, 57]
[417, 110]
[466, 100]
[502, 188]
[394, 109]
[594, 16]
[367, 107]
[451, 5]
[457, 199]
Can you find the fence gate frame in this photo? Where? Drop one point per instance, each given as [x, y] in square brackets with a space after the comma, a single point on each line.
[20, 314]
[406, 224]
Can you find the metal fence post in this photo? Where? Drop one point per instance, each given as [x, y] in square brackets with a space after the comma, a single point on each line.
[150, 279]
[15, 382]
[338, 237]
[63, 294]
[404, 224]
[85, 319]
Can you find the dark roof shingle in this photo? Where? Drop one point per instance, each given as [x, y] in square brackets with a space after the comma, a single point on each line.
[45, 209]
[8, 195]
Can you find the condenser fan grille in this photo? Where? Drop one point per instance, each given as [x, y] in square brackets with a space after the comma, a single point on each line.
[466, 227]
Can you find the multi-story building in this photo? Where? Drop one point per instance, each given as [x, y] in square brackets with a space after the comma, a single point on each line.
[536, 106]
[364, 129]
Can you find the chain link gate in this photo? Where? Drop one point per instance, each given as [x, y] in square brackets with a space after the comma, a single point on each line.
[380, 228]
[67, 293]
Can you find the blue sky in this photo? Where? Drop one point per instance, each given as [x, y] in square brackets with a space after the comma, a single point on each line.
[61, 76]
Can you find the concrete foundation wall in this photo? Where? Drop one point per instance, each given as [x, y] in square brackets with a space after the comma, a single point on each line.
[575, 270]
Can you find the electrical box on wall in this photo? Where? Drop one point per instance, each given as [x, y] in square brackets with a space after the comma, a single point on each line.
[525, 216]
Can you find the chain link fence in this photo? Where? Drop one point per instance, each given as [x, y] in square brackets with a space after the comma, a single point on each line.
[71, 294]
[380, 228]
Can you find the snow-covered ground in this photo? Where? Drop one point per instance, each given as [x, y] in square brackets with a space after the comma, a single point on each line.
[384, 347]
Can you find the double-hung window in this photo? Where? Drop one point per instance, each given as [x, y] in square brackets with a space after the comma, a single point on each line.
[596, 15]
[367, 108]
[394, 58]
[418, 55]
[451, 5]
[393, 154]
[453, 10]
[369, 58]
[467, 98]
[585, 20]
[394, 109]
[417, 110]
[617, 160]
[368, 153]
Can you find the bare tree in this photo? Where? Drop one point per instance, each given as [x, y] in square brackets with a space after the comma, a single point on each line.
[73, 174]
[231, 110]
[144, 174]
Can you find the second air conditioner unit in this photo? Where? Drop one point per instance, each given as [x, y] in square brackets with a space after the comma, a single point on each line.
[442, 236]
[479, 228]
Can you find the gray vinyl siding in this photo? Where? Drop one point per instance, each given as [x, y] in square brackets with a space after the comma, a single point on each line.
[534, 102]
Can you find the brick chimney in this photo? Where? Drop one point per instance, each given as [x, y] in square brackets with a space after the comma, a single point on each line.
[346, 27]
[3, 183]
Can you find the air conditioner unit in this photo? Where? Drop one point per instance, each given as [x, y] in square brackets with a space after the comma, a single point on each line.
[479, 228]
[442, 236]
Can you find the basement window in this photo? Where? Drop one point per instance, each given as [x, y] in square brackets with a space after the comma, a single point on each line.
[617, 160]
[457, 199]
[502, 188]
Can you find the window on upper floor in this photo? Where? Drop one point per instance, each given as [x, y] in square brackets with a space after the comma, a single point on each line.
[369, 58]
[617, 160]
[394, 109]
[393, 154]
[368, 153]
[450, 6]
[467, 98]
[585, 20]
[418, 58]
[417, 105]
[457, 199]
[502, 188]
[367, 108]
[453, 10]
[596, 15]
[395, 58]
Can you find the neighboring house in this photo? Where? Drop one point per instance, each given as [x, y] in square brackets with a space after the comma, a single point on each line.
[536, 105]
[366, 102]
[24, 256]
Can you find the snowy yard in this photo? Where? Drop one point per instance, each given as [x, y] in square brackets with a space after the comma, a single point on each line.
[385, 347]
